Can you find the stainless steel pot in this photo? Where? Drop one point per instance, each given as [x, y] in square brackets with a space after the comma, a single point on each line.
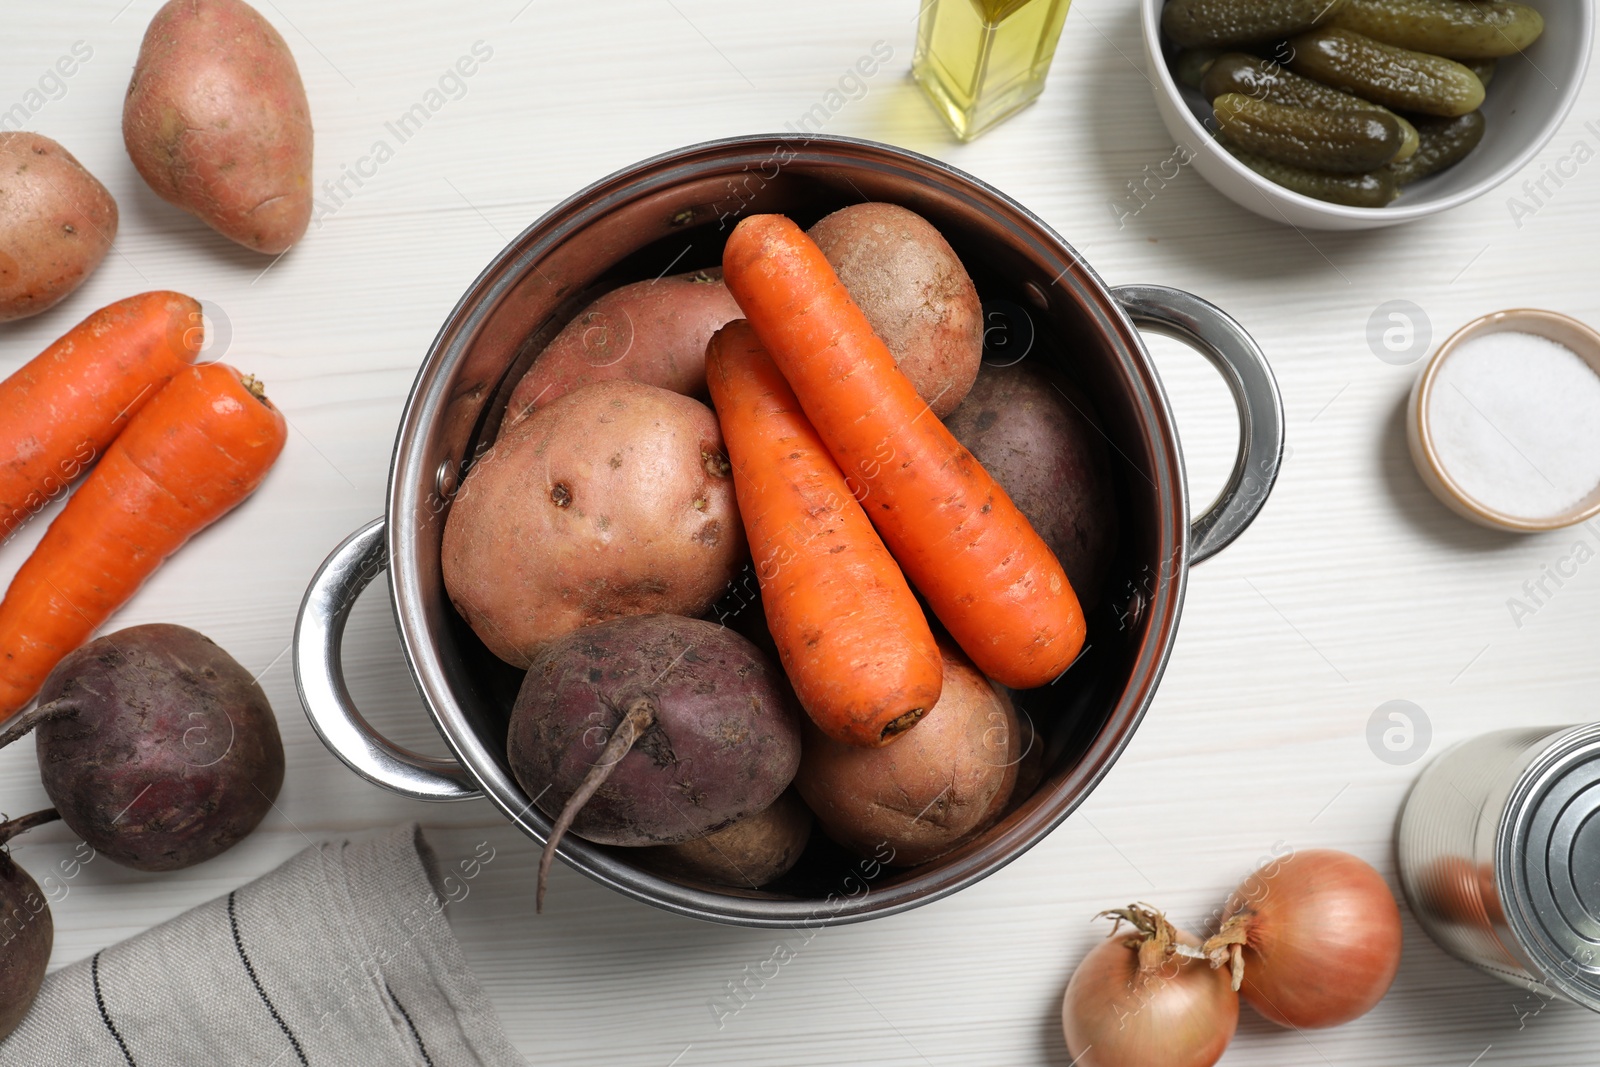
[672, 213]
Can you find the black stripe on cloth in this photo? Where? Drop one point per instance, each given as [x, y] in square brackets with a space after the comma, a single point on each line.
[249, 968]
[105, 1016]
[406, 1015]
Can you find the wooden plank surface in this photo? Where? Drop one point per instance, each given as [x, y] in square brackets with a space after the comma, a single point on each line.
[1353, 588]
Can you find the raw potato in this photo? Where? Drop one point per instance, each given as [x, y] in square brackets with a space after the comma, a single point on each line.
[941, 783]
[747, 855]
[216, 120]
[57, 223]
[653, 332]
[615, 500]
[914, 292]
[723, 743]
[1021, 423]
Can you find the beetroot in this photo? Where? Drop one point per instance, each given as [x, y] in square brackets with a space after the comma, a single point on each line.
[26, 930]
[651, 730]
[156, 746]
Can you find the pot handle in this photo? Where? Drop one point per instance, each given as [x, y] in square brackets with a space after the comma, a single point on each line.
[1216, 335]
[319, 675]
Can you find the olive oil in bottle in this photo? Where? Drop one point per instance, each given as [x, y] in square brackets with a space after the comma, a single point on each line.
[980, 61]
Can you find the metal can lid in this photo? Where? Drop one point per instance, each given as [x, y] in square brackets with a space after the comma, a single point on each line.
[1548, 872]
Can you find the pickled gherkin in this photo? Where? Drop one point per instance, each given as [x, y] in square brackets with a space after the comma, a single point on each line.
[1191, 65]
[1460, 29]
[1376, 189]
[1483, 68]
[1213, 23]
[1395, 77]
[1342, 142]
[1264, 79]
[1445, 142]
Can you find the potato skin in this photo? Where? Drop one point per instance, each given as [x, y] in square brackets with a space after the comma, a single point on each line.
[210, 759]
[914, 291]
[615, 500]
[757, 849]
[1030, 431]
[724, 745]
[937, 785]
[652, 332]
[216, 121]
[57, 223]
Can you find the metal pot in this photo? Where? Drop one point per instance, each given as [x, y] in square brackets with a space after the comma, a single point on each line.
[672, 213]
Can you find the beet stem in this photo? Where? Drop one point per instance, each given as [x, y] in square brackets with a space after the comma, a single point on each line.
[25, 722]
[12, 827]
[640, 716]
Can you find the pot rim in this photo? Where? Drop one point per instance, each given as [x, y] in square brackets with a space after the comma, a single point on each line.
[1046, 809]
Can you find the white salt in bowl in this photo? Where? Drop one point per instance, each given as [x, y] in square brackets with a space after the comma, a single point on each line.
[1431, 454]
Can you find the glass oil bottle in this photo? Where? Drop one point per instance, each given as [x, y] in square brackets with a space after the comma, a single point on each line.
[981, 61]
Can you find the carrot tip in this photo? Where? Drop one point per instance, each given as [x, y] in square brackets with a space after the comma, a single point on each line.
[902, 724]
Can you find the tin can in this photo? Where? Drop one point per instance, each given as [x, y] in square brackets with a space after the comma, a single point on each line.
[1499, 856]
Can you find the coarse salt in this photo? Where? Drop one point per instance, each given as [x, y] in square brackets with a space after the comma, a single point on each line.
[1515, 420]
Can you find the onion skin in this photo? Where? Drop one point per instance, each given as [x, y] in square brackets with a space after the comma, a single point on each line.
[1321, 938]
[1178, 1013]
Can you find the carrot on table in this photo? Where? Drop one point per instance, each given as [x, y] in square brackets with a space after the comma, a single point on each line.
[61, 409]
[988, 576]
[852, 637]
[197, 449]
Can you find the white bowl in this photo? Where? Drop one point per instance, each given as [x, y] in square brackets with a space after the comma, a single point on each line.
[1527, 100]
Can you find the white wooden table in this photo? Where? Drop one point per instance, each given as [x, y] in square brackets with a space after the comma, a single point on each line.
[1354, 587]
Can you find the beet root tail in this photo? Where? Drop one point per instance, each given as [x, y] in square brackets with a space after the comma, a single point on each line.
[640, 716]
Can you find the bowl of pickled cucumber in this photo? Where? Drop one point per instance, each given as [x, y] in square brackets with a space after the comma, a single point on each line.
[1351, 114]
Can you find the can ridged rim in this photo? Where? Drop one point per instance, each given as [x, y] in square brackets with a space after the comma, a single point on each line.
[1562, 958]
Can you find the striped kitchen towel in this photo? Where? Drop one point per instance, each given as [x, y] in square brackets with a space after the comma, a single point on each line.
[342, 956]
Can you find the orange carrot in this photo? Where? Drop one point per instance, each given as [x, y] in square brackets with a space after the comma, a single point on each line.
[197, 449]
[988, 576]
[63, 407]
[851, 635]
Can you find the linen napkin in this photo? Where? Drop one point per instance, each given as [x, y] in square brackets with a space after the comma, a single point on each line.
[342, 956]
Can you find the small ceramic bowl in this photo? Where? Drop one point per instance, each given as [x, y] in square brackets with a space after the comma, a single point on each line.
[1528, 99]
[1562, 329]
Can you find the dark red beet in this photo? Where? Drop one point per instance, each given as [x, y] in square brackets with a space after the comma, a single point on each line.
[156, 746]
[651, 730]
[26, 930]
[1034, 432]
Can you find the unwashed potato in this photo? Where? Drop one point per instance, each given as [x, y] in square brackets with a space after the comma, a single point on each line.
[57, 223]
[747, 855]
[914, 291]
[615, 500]
[216, 120]
[653, 332]
[939, 784]
[1032, 431]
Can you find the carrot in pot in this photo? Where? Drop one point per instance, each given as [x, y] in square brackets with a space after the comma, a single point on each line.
[196, 450]
[988, 576]
[61, 409]
[852, 637]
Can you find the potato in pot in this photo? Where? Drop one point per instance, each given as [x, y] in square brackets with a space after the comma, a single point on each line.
[915, 293]
[57, 223]
[935, 787]
[614, 500]
[653, 332]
